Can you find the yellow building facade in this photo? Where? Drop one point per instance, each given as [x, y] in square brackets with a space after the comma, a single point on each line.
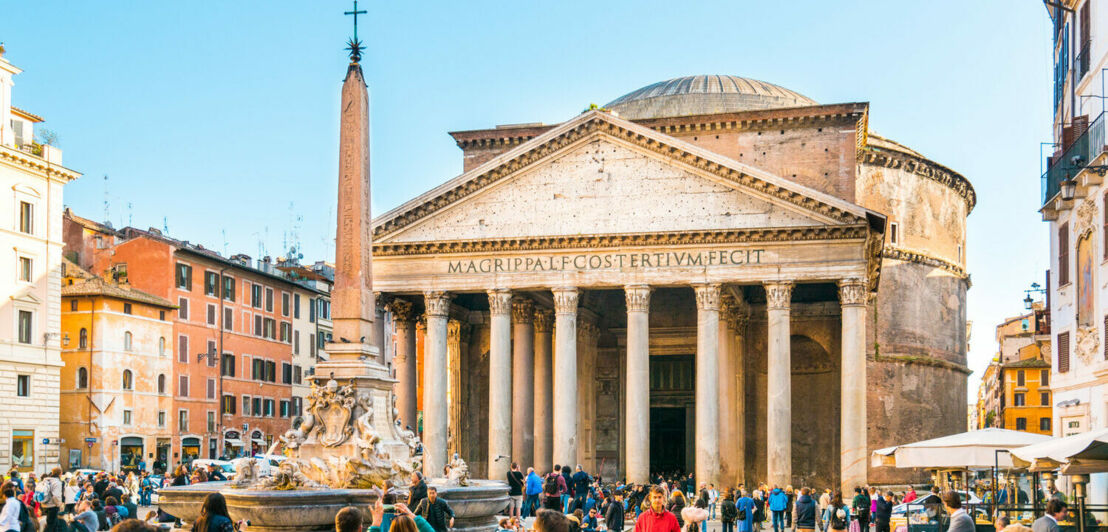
[116, 399]
[1015, 391]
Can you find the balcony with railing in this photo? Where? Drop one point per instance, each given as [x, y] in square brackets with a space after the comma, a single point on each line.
[1061, 167]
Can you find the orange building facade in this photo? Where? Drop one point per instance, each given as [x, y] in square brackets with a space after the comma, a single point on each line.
[236, 353]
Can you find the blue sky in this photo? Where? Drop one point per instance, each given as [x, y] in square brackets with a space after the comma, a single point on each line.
[221, 117]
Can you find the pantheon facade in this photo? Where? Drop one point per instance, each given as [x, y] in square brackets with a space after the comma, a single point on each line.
[710, 274]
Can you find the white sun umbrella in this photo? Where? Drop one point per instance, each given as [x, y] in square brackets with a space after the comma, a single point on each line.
[1079, 454]
[976, 449]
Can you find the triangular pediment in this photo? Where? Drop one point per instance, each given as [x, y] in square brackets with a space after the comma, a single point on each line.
[598, 174]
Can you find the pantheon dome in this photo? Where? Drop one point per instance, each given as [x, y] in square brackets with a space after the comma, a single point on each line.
[703, 95]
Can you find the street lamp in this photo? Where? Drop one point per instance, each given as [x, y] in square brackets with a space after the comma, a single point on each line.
[1028, 301]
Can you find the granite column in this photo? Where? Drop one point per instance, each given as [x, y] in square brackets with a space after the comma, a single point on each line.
[565, 375]
[434, 384]
[544, 386]
[638, 383]
[852, 430]
[779, 385]
[707, 388]
[500, 383]
[523, 378]
[405, 361]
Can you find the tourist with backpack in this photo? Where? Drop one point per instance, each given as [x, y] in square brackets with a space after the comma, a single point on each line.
[50, 495]
[837, 516]
[728, 512]
[744, 512]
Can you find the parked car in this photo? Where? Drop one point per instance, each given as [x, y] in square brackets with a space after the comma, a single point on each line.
[268, 463]
[226, 467]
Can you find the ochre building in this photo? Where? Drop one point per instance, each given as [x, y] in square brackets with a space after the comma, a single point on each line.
[710, 274]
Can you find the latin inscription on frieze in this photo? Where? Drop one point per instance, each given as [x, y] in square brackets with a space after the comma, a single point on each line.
[608, 261]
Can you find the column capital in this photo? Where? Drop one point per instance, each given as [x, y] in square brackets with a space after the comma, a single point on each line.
[737, 320]
[707, 296]
[544, 320]
[852, 292]
[778, 295]
[379, 301]
[421, 323]
[523, 310]
[638, 297]
[438, 303]
[565, 300]
[500, 301]
[587, 327]
[457, 330]
[401, 310]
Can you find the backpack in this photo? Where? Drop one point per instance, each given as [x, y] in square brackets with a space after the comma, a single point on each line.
[44, 493]
[837, 522]
[26, 523]
[550, 485]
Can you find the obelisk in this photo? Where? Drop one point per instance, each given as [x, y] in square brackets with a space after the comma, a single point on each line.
[352, 296]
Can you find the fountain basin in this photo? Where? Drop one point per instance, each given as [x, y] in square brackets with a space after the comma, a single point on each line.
[475, 506]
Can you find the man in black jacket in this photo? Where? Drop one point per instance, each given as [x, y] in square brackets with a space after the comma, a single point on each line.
[435, 510]
[613, 517]
[883, 512]
[418, 491]
[581, 481]
[805, 511]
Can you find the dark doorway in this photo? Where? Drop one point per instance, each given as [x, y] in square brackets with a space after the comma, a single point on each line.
[667, 440]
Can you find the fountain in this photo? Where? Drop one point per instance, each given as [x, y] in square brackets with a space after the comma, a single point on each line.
[349, 447]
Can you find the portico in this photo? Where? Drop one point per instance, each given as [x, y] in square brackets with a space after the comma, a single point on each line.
[582, 258]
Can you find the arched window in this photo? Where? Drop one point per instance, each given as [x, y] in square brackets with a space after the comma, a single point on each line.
[127, 379]
[82, 340]
[82, 377]
[161, 384]
[161, 345]
[127, 341]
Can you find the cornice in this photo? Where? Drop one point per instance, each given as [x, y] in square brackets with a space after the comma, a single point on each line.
[586, 128]
[707, 237]
[36, 165]
[905, 255]
[896, 160]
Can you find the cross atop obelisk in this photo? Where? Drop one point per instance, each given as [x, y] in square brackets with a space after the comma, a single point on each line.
[355, 45]
[352, 297]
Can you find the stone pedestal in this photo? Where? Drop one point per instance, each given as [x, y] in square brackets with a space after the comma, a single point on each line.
[779, 386]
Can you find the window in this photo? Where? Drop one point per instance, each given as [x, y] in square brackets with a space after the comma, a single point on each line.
[211, 388]
[161, 315]
[1063, 352]
[126, 417]
[286, 332]
[25, 269]
[1018, 399]
[82, 338]
[73, 305]
[161, 346]
[296, 342]
[311, 344]
[284, 408]
[324, 309]
[258, 370]
[211, 314]
[296, 301]
[1064, 254]
[246, 405]
[268, 408]
[270, 371]
[23, 386]
[23, 449]
[311, 310]
[127, 308]
[183, 349]
[161, 383]
[229, 288]
[229, 404]
[183, 385]
[894, 233]
[211, 354]
[1020, 379]
[127, 340]
[183, 420]
[269, 328]
[257, 325]
[297, 375]
[182, 308]
[1044, 424]
[1044, 377]
[128, 380]
[256, 407]
[1021, 423]
[184, 276]
[269, 300]
[228, 319]
[256, 295]
[286, 373]
[1044, 398]
[228, 366]
[297, 406]
[26, 317]
[211, 283]
[284, 304]
[161, 418]
[211, 422]
[26, 217]
[82, 378]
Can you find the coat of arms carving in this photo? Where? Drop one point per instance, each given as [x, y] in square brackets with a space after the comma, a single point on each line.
[333, 407]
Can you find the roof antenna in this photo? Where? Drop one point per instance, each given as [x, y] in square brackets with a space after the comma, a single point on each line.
[107, 211]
